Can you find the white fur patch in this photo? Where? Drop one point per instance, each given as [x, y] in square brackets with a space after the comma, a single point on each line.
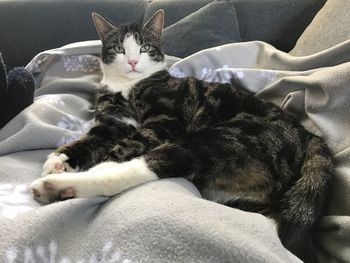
[132, 49]
[274, 223]
[115, 83]
[105, 179]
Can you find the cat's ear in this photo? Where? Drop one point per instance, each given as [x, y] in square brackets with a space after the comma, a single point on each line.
[156, 22]
[103, 27]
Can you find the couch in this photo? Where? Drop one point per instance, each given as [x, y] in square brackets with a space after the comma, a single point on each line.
[293, 53]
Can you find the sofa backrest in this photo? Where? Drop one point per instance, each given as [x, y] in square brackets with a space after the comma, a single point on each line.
[30, 26]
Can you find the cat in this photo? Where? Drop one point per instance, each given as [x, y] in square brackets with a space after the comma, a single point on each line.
[237, 149]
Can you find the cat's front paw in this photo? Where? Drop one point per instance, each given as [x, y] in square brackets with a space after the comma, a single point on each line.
[56, 163]
[48, 189]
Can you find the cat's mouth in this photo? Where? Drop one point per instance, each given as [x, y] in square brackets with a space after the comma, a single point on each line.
[134, 74]
[133, 71]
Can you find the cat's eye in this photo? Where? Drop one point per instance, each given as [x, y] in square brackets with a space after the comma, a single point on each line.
[119, 49]
[145, 48]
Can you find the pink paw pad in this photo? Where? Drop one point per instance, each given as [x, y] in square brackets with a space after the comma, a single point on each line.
[67, 193]
[59, 166]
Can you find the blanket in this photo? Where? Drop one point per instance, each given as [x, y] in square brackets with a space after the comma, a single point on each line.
[166, 220]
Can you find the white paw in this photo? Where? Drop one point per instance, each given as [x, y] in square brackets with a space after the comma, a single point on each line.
[56, 163]
[50, 189]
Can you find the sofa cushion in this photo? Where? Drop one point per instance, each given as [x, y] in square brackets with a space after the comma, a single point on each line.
[202, 29]
[278, 22]
[174, 10]
[329, 27]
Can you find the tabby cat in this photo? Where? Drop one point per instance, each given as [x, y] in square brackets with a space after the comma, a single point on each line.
[237, 149]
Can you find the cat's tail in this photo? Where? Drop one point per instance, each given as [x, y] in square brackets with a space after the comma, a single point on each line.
[305, 202]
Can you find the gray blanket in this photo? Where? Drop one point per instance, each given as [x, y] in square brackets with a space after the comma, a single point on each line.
[167, 220]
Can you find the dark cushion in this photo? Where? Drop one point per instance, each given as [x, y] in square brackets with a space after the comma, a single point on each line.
[212, 25]
[330, 27]
[278, 22]
[174, 10]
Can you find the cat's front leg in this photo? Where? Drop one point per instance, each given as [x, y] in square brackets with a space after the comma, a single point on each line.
[86, 152]
[52, 188]
[110, 178]
[56, 163]
[105, 179]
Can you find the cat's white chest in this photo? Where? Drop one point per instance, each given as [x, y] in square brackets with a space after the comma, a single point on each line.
[113, 85]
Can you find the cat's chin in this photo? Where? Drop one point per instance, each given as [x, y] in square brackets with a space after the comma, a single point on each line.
[134, 75]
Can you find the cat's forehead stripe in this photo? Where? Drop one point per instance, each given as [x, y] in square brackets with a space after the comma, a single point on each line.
[130, 41]
[134, 35]
[131, 46]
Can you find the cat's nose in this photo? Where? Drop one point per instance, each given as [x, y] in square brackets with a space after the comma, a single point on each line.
[133, 63]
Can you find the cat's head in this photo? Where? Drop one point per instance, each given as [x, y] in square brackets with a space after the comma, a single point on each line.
[131, 51]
